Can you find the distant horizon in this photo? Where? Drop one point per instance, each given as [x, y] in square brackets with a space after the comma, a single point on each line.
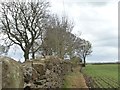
[103, 62]
[112, 61]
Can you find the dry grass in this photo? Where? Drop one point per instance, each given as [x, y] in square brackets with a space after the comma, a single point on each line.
[75, 79]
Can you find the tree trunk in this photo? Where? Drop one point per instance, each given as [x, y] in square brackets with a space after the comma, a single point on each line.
[84, 62]
[33, 55]
[26, 55]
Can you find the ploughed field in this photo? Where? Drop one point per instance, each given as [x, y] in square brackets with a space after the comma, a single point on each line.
[101, 75]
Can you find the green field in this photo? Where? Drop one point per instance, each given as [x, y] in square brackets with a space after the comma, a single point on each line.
[102, 76]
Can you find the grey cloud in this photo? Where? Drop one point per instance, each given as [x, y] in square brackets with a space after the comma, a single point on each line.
[93, 4]
[109, 42]
[97, 3]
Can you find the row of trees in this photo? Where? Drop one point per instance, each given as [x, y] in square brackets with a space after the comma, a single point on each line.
[32, 27]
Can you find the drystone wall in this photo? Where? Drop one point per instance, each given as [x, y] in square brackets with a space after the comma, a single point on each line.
[46, 73]
[39, 73]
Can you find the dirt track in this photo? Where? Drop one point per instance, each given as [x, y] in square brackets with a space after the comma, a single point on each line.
[75, 79]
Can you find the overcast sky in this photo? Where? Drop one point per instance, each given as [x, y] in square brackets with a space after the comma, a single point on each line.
[95, 20]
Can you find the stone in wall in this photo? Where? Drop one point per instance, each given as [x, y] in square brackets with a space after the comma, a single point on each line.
[12, 73]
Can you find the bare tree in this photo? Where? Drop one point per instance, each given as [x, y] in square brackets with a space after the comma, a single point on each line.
[57, 37]
[24, 23]
[83, 50]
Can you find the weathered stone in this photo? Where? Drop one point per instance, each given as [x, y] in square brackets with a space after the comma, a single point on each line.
[40, 82]
[12, 73]
[30, 74]
[39, 67]
[47, 72]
